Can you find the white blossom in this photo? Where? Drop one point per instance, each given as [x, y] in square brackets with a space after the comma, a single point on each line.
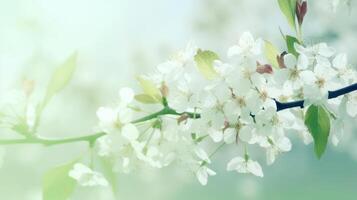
[203, 173]
[242, 165]
[247, 46]
[351, 104]
[86, 176]
[280, 145]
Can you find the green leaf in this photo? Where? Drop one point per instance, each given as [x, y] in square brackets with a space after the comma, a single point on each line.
[60, 78]
[288, 7]
[317, 121]
[150, 88]
[204, 61]
[271, 53]
[146, 99]
[290, 41]
[57, 185]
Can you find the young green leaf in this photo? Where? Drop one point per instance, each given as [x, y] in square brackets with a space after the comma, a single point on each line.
[146, 99]
[288, 8]
[290, 41]
[57, 185]
[317, 121]
[60, 78]
[272, 54]
[21, 128]
[150, 88]
[204, 61]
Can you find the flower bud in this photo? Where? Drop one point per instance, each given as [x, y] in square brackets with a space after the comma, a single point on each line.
[301, 9]
[28, 86]
[264, 69]
[281, 60]
[164, 90]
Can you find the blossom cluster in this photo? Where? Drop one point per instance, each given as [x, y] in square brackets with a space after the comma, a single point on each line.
[229, 102]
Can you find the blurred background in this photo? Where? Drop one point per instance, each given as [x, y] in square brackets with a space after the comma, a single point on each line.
[118, 39]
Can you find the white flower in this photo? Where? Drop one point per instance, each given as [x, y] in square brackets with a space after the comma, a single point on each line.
[337, 130]
[302, 131]
[277, 146]
[291, 74]
[202, 174]
[130, 132]
[107, 118]
[242, 165]
[203, 171]
[316, 51]
[201, 154]
[111, 118]
[187, 55]
[351, 104]
[126, 95]
[344, 73]
[227, 135]
[247, 46]
[86, 176]
[104, 146]
[318, 83]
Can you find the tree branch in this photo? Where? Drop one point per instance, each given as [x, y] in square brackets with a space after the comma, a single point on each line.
[331, 95]
[165, 111]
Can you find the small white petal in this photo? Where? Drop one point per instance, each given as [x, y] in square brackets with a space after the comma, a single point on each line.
[255, 168]
[230, 135]
[216, 135]
[104, 145]
[290, 61]
[211, 172]
[106, 114]
[303, 62]
[351, 108]
[246, 134]
[125, 115]
[335, 140]
[283, 144]
[235, 163]
[130, 132]
[234, 51]
[202, 176]
[202, 155]
[126, 95]
[246, 40]
[271, 155]
[340, 61]
[325, 50]
[86, 177]
[308, 77]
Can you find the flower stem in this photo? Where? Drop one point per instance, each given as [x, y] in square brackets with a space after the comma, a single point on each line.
[49, 142]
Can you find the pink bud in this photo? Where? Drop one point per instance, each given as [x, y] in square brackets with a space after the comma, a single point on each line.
[264, 69]
[301, 9]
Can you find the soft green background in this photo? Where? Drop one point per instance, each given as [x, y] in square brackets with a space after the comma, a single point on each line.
[117, 39]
